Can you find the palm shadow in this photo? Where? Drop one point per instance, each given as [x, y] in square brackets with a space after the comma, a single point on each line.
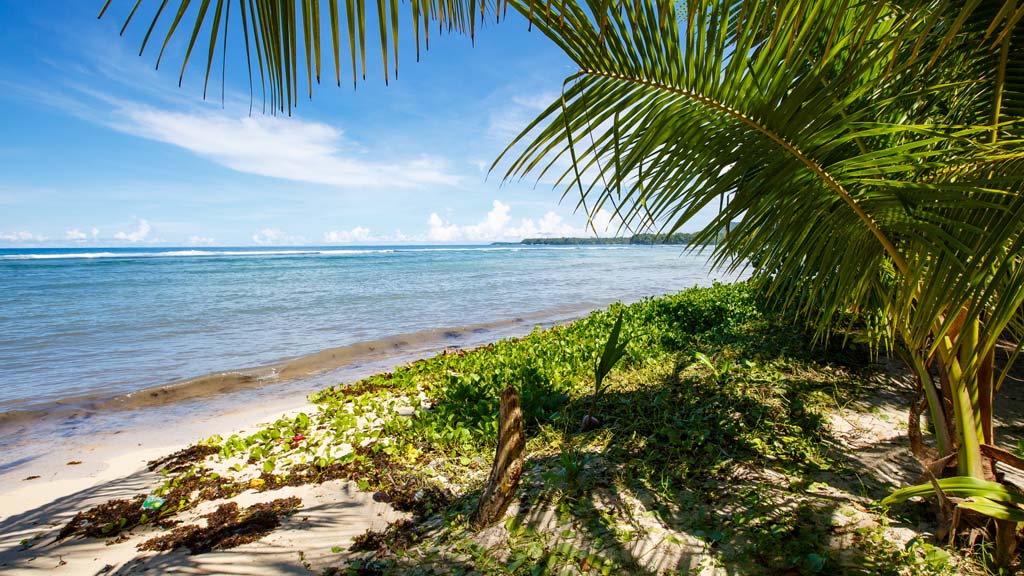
[683, 479]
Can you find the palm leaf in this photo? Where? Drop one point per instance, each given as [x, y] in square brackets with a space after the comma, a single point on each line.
[993, 509]
[777, 106]
[284, 32]
[959, 486]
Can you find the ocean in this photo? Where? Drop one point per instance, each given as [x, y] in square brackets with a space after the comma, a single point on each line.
[84, 332]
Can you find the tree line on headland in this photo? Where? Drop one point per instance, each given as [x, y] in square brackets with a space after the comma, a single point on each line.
[679, 238]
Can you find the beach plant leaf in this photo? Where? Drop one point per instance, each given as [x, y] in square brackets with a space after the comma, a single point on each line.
[610, 355]
[959, 486]
[993, 509]
[612, 352]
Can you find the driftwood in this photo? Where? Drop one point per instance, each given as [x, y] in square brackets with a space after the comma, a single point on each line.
[1004, 456]
[508, 462]
[1006, 542]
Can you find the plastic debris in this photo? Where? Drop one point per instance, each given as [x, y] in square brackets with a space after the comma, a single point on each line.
[153, 502]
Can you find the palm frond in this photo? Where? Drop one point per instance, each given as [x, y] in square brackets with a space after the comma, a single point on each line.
[843, 151]
[285, 36]
[851, 138]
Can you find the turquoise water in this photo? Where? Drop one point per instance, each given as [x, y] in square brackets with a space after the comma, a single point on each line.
[79, 324]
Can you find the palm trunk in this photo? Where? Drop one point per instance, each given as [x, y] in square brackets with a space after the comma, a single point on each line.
[986, 392]
[936, 408]
[955, 352]
[968, 373]
[964, 411]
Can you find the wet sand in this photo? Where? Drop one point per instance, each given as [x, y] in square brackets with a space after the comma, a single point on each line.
[111, 438]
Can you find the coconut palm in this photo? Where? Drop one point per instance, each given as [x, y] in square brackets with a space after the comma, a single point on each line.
[870, 152]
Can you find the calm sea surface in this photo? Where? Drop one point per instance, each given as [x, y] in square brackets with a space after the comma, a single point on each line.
[78, 324]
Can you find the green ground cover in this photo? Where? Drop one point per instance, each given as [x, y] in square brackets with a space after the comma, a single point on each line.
[714, 454]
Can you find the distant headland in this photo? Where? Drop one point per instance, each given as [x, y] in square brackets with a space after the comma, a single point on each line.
[641, 239]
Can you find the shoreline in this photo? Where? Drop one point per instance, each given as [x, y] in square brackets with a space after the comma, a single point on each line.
[299, 367]
[113, 437]
[377, 498]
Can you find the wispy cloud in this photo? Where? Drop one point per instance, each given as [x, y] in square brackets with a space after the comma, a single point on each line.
[201, 241]
[286, 148]
[507, 121]
[22, 236]
[276, 237]
[290, 148]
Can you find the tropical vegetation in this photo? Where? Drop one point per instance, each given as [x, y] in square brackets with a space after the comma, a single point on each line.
[716, 452]
[867, 156]
[680, 238]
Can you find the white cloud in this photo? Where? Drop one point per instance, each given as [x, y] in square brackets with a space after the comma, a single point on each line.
[76, 235]
[286, 148]
[276, 237]
[492, 227]
[550, 225]
[496, 226]
[606, 223]
[22, 236]
[140, 233]
[440, 231]
[200, 241]
[356, 235]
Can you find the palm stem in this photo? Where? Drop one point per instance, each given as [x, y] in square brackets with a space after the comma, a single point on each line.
[938, 415]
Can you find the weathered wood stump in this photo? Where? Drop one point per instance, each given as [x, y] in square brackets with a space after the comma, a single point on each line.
[1006, 544]
[508, 462]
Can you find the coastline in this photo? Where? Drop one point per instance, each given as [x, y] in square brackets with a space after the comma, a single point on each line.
[113, 437]
[302, 367]
[415, 466]
[80, 330]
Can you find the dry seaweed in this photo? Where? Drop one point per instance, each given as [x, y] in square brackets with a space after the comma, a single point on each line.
[122, 514]
[103, 519]
[368, 386]
[418, 497]
[226, 527]
[398, 534]
[373, 467]
[122, 537]
[303, 475]
[182, 459]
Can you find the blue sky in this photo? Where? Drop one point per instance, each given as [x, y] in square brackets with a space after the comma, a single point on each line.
[98, 148]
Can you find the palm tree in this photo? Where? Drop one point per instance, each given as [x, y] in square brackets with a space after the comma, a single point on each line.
[871, 153]
[873, 159]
